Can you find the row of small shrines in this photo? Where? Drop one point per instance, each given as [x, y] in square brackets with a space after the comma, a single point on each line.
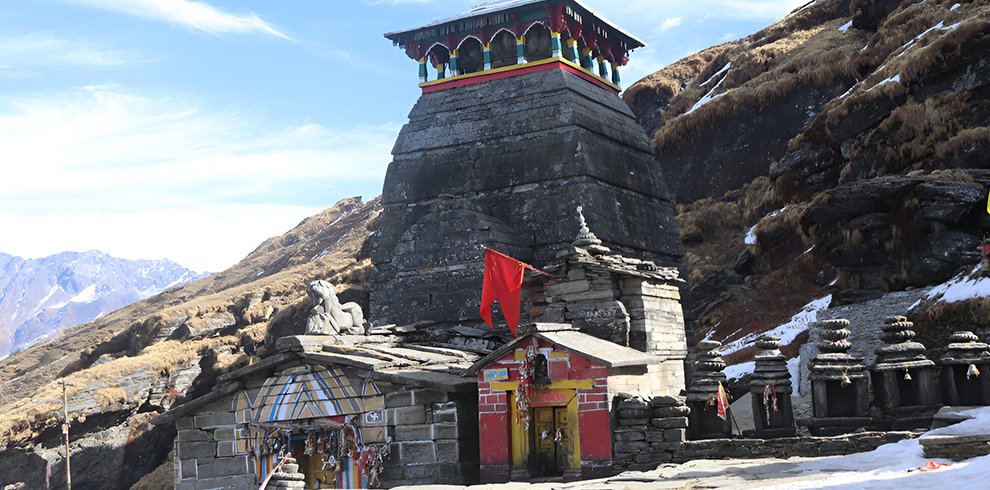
[907, 387]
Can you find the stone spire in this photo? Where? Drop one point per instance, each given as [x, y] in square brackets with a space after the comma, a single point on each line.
[288, 475]
[965, 348]
[834, 363]
[901, 352]
[771, 366]
[586, 239]
[708, 366]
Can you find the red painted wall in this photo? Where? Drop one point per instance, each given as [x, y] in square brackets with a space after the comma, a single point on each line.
[594, 423]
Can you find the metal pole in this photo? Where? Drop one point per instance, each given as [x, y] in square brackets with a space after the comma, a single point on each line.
[65, 431]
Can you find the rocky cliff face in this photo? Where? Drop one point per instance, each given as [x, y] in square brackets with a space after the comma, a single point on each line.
[41, 297]
[840, 151]
[130, 365]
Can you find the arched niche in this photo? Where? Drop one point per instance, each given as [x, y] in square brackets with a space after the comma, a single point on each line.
[538, 42]
[472, 56]
[439, 54]
[504, 49]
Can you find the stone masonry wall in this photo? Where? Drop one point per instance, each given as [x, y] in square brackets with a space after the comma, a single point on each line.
[211, 450]
[651, 433]
[435, 440]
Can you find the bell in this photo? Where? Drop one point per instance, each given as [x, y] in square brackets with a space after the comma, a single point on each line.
[973, 371]
[845, 382]
[907, 375]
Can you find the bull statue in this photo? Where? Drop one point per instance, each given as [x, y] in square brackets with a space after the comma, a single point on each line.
[328, 316]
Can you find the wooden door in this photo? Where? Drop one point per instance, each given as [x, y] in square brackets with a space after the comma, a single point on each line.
[543, 454]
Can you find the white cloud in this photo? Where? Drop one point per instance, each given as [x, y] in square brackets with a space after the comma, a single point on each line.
[142, 177]
[38, 49]
[669, 24]
[189, 13]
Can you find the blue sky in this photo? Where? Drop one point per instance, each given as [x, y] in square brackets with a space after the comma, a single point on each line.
[194, 130]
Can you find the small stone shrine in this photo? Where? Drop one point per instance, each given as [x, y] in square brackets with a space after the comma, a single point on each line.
[904, 387]
[770, 389]
[544, 403]
[630, 302]
[288, 475]
[840, 384]
[966, 371]
[702, 396]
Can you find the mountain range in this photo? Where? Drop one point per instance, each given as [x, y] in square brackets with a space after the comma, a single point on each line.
[39, 298]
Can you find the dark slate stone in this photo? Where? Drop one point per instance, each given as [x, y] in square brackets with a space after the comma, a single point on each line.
[505, 164]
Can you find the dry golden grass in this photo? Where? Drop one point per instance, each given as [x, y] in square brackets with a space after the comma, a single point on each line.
[762, 73]
[124, 337]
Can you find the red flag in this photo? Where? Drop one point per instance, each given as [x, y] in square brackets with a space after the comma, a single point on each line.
[503, 281]
[722, 403]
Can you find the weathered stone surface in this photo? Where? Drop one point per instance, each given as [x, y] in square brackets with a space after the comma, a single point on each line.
[526, 152]
[412, 453]
[220, 467]
[409, 415]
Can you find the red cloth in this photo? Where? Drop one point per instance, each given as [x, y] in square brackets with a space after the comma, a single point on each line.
[503, 282]
[722, 403]
[932, 466]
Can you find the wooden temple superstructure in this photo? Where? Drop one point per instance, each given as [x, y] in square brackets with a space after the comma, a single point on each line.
[493, 40]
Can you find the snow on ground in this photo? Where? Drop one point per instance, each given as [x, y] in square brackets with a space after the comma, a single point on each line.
[710, 96]
[87, 295]
[787, 332]
[961, 288]
[723, 70]
[845, 27]
[893, 466]
[893, 79]
[737, 371]
[751, 235]
[954, 7]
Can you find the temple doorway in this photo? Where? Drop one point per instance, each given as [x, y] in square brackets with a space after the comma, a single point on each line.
[549, 440]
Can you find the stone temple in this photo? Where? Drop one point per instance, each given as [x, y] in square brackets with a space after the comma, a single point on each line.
[520, 126]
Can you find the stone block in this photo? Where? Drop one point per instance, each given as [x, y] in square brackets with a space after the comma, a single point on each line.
[635, 403]
[428, 397]
[666, 412]
[445, 412]
[671, 423]
[228, 482]
[226, 449]
[634, 422]
[630, 435]
[225, 434]
[192, 435]
[184, 423]
[569, 287]
[630, 446]
[408, 415]
[412, 453]
[418, 432]
[215, 420]
[675, 435]
[397, 399]
[635, 413]
[654, 435]
[187, 469]
[451, 451]
[220, 467]
[445, 431]
[196, 450]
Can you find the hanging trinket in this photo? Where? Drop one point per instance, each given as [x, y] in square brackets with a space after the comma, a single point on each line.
[973, 371]
[907, 375]
[310, 448]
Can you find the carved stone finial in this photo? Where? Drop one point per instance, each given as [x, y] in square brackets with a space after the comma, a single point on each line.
[586, 239]
[328, 316]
